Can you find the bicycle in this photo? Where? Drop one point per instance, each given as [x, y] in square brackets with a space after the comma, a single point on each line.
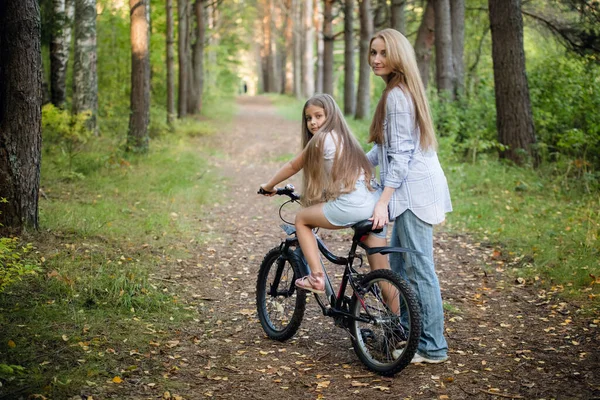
[384, 341]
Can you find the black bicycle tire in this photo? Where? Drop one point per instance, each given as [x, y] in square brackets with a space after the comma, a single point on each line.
[415, 322]
[292, 327]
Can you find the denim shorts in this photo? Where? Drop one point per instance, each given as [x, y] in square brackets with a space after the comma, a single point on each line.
[353, 207]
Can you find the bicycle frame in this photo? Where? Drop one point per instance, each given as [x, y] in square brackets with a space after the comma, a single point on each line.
[335, 309]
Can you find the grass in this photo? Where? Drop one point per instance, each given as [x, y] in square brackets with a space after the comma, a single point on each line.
[106, 230]
[542, 231]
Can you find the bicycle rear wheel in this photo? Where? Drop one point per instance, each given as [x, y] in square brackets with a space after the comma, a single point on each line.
[384, 340]
[279, 304]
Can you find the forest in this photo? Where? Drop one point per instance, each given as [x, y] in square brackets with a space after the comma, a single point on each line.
[119, 192]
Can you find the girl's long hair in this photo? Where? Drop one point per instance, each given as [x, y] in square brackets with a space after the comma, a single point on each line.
[349, 163]
[400, 57]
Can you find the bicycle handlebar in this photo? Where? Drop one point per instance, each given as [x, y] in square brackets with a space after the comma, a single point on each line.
[288, 190]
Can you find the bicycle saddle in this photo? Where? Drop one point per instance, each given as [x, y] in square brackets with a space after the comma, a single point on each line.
[363, 228]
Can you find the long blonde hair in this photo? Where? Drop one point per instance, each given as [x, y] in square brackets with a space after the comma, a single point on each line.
[400, 57]
[349, 162]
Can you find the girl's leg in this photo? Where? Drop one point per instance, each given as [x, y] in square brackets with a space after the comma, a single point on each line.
[307, 219]
[380, 261]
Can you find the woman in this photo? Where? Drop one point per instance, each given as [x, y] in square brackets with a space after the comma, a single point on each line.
[415, 191]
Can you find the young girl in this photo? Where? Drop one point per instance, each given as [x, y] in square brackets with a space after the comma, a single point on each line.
[415, 191]
[336, 190]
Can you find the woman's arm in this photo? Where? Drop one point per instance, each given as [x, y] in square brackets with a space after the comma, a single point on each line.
[372, 155]
[288, 170]
[380, 214]
[399, 144]
[399, 148]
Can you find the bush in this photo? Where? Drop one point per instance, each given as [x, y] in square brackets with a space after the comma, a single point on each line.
[65, 131]
[12, 266]
[468, 123]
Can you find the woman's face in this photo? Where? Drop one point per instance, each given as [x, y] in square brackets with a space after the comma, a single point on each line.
[378, 59]
[315, 118]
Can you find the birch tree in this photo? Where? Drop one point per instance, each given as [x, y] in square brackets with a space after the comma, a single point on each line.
[20, 114]
[60, 49]
[85, 73]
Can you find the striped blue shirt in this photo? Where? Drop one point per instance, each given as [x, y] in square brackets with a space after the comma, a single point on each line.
[416, 175]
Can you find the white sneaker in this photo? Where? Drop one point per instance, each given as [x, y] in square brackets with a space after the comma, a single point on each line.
[417, 358]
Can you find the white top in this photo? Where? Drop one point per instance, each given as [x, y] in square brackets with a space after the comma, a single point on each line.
[329, 148]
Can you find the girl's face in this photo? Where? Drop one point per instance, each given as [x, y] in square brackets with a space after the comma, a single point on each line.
[378, 58]
[315, 118]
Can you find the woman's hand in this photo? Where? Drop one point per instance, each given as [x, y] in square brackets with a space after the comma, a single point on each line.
[267, 190]
[380, 215]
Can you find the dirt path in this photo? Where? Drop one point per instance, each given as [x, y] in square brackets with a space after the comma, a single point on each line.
[506, 340]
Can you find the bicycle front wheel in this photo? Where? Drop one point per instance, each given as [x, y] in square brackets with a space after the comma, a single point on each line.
[386, 323]
[279, 304]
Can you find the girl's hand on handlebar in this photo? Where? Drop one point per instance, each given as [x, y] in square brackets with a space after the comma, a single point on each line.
[380, 216]
[266, 190]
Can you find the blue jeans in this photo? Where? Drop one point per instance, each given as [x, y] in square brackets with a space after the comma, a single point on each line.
[419, 270]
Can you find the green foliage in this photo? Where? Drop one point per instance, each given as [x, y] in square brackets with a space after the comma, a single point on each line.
[8, 371]
[12, 264]
[565, 95]
[104, 240]
[494, 201]
[65, 131]
[469, 123]
[114, 70]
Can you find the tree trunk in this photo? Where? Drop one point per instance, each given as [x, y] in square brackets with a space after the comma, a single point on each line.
[363, 103]
[139, 118]
[170, 64]
[398, 15]
[182, 11]
[424, 42]
[20, 114]
[349, 86]
[513, 108]
[443, 49]
[59, 50]
[328, 47]
[273, 72]
[297, 38]
[380, 15]
[288, 84]
[192, 91]
[85, 74]
[197, 78]
[457, 13]
[319, 45]
[308, 72]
